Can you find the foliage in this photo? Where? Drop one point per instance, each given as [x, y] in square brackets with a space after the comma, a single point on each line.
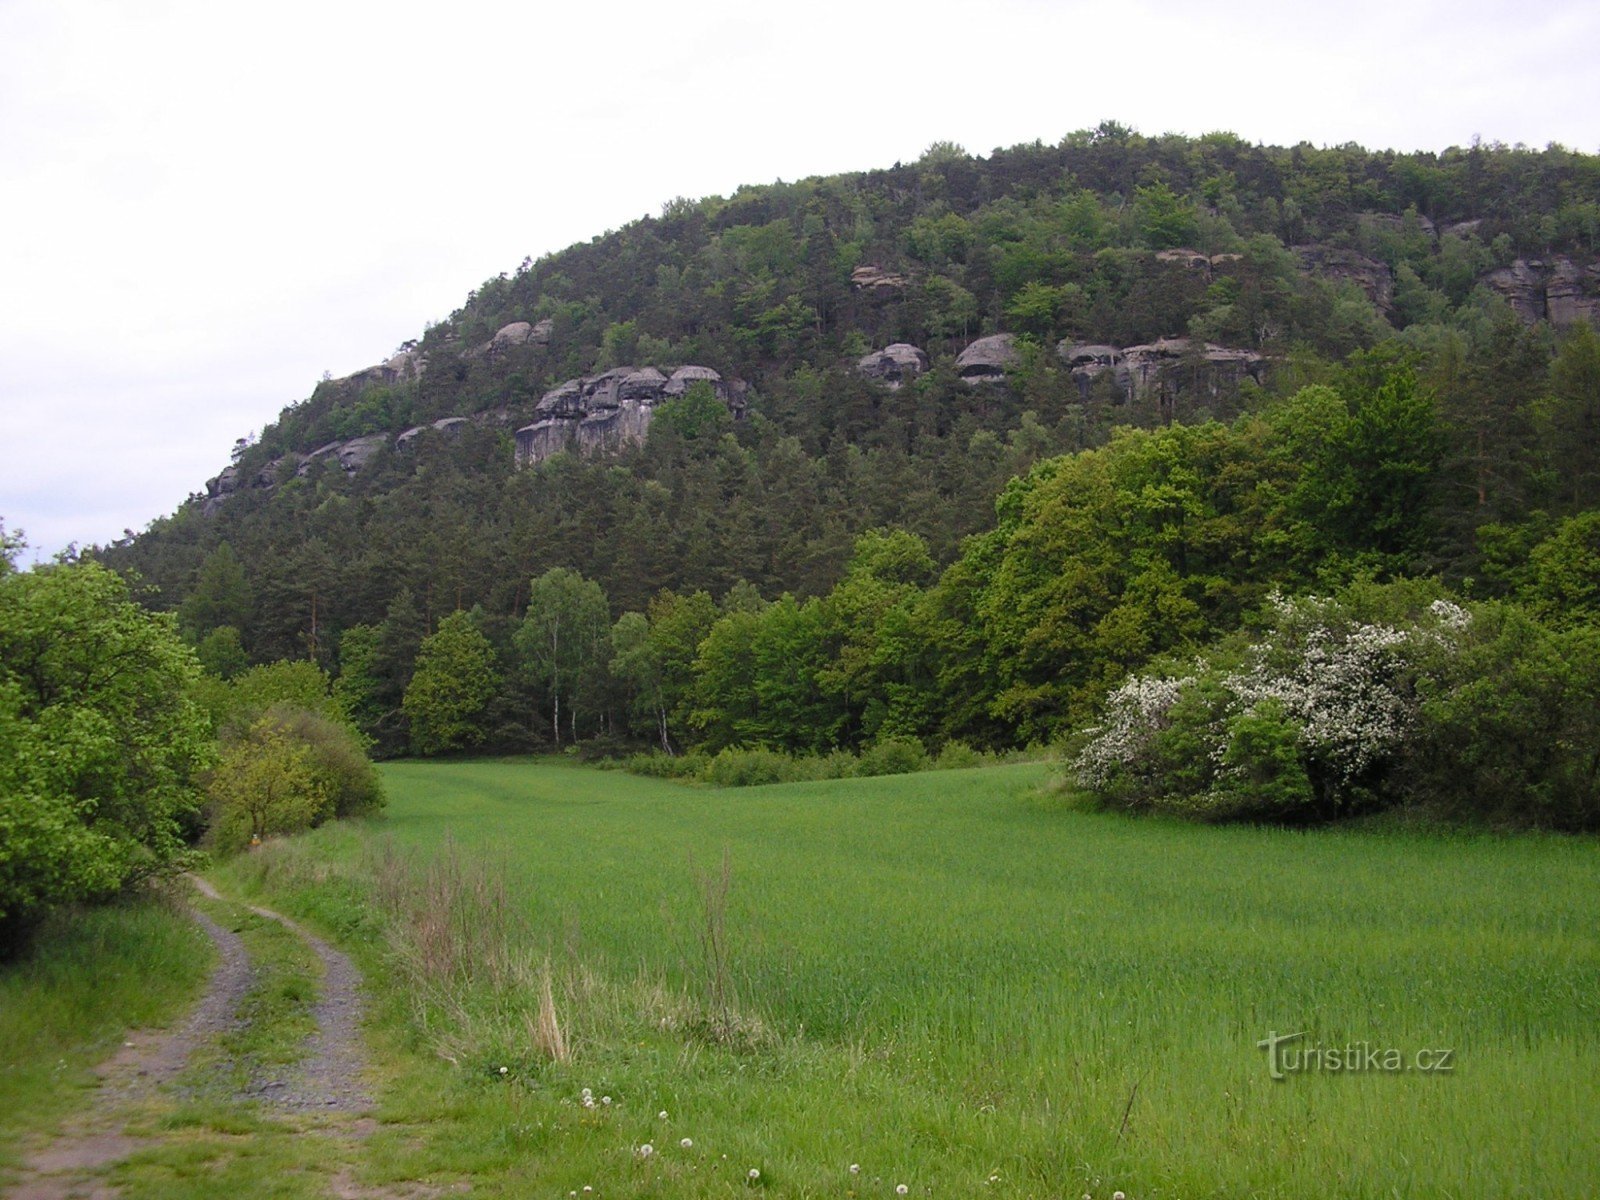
[100, 740]
[456, 677]
[265, 784]
[337, 761]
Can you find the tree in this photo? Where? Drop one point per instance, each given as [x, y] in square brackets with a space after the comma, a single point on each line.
[455, 679]
[101, 740]
[221, 595]
[562, 638]
[265, 784]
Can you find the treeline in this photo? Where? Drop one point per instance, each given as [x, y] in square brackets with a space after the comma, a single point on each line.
[1097, 563]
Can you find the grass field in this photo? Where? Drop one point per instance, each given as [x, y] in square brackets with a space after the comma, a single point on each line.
[960, 987]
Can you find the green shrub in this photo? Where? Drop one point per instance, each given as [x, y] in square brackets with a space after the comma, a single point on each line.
[893, 756]
[740, 767]
[348, 778]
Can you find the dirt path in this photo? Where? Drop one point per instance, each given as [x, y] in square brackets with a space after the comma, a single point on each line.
[326, 1080]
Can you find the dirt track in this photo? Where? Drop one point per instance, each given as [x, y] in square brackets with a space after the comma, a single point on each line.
[327, 1079]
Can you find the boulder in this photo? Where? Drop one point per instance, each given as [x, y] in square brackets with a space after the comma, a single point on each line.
[565, 400]
[542, 331]
[986, 360]
[443, 425]
[1191, 259]
[1180, 366]
[894, 364]
[518, 333]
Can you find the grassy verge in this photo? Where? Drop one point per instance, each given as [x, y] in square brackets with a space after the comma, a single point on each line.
[93, 975]
[952, 984]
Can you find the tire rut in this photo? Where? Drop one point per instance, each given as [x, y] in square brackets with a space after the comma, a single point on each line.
[327, 1079]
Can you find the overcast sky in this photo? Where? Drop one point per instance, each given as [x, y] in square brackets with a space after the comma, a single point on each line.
[206, 205]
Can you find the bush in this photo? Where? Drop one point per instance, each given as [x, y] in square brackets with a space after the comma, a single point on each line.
[101, 741]
[893, 756]
[740, 767]
[351, 782]
[1303, 723]
[265, 784]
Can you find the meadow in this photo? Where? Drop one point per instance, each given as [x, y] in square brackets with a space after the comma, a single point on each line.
[955, 985]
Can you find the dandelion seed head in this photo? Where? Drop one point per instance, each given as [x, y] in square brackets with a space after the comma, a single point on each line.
[662, 1115]
[755, 1173]
[646, 1150]
[855, 1168]
[687, 1143]
[901, 1189]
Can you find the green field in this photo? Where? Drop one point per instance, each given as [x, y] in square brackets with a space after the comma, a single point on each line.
[959, 985]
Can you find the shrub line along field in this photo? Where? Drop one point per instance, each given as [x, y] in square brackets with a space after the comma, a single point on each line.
[952, 983]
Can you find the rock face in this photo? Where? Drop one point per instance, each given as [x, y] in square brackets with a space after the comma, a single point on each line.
[404, 367]
[1557, 290]
[986, 360]
[443, 425]
[1170, 366]
[1333, 262]
[893, 365]
[613, 409]
[876, 280]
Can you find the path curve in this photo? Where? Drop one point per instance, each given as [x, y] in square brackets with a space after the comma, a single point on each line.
[328, 1079]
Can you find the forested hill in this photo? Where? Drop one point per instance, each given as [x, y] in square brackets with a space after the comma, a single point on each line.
[833, 387]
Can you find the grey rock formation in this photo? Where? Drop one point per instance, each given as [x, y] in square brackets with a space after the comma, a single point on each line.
[443, 425]
[986, 360]
[1557, 290]
[1174, 366]
[1334, 262]
[1088, 361]
[518, 333]
[542, 331]
[602, 413]
[874, 279]
[358, 452]
[893, 365]
[1180, 366]
[405, 367]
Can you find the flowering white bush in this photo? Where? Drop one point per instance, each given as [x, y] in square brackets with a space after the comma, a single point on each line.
[1299, 719]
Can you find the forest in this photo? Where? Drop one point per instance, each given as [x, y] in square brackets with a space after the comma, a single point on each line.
[1404, 498]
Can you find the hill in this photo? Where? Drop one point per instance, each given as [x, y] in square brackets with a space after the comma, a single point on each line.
[735, 391]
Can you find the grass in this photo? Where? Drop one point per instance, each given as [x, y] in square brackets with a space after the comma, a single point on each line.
[955, 984]
[91, 976]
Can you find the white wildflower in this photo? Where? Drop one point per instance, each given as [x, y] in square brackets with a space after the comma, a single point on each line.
[687, 1143]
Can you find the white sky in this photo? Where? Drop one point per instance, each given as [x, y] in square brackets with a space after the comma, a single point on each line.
[206, 204]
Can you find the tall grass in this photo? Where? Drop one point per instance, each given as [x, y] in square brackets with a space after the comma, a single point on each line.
[91, 975]
[951, 978]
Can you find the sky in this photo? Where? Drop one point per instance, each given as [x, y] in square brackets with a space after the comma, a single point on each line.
[205, 206]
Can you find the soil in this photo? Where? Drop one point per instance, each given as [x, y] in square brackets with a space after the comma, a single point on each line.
[325, 1081]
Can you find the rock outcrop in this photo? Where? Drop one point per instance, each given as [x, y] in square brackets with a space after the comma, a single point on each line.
[893, 365]
[1557, 290]
[613, 409]
[1334, 262]
[1174, 366]
[443, 425]
[405, 367]
[875, 280]
[986, 360]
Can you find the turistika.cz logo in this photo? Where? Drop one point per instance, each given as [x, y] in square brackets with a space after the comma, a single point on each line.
[1288, 1055]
